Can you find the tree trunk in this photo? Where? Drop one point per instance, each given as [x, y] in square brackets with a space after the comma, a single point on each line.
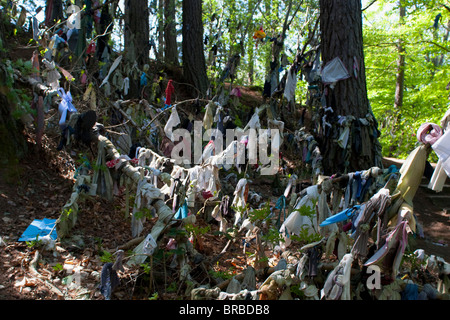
[194, 65]
[160, 53]
[53, 12]
[170, 34]
[398, 103]
[341, 32]
[251, 63]
[136, 40]
[400, 77]
[13, 144]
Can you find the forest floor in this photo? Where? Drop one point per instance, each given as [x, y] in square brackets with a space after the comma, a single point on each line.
[40, 185]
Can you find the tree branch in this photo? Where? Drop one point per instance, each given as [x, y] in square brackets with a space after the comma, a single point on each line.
[369, 5]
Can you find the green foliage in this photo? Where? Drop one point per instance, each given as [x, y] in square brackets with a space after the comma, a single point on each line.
[272, 235]
[304, 235]
[36, 243]
[154, 296]
[143, 212]
[19, 99]
[58, 267]
[426, 70]
[197, 231]
[411, 262]
[225, 275]
[106, 256]
[260, 214]
[146, 267]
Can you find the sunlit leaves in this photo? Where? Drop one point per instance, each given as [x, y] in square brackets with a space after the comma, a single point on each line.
[426, 69]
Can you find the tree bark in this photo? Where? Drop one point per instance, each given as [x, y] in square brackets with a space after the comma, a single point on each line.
[400, 76]
[399, 84]
[53, 12]
[194, 65]
[160, 53]
[136, 40]
[170, 34]
[341, 33]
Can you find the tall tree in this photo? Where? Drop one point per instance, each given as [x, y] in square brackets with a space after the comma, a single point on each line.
[170, 34]
[194, 65]
[400, 76]
[341, 37]
[160, 14]
[53, 12]
[136, 40]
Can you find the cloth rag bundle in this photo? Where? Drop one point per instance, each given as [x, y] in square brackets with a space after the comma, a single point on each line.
[429, 133]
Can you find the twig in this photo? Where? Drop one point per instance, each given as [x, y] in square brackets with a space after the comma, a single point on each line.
[38, 276]
[131, 243]
[369, 5]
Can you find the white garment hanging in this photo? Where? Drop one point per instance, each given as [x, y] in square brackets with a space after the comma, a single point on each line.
[291, 84]
[334, 71]
[173, 121]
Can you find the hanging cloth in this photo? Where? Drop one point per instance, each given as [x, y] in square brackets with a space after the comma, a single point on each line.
[389, 256]
[442, 149]
[337, 285]
[126, 86]
[36, 67]
[344, 215]
[65, 107]
[376, 205]
[411, 173]
[53, 75]
[295, 222]
[102, 178]
[429, 133]
[170, 89]
[281, 206]
[111, 70]
[334, 71]
[208, 118]
[173, 121]
[291, 84]
[182, 211]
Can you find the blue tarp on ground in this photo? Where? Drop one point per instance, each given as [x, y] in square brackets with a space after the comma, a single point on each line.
[39, 229]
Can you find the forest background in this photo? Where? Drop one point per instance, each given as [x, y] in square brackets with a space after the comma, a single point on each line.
[405, 51]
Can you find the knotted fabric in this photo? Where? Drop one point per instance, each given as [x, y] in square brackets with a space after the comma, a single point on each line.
[65, 106]
[169, 90]
[375, 205]
[429, 133]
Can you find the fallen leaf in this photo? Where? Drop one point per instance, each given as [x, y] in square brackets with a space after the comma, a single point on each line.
[26, 282]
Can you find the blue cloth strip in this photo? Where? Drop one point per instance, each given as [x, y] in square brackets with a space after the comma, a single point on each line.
[341, 216]
[182, 211]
